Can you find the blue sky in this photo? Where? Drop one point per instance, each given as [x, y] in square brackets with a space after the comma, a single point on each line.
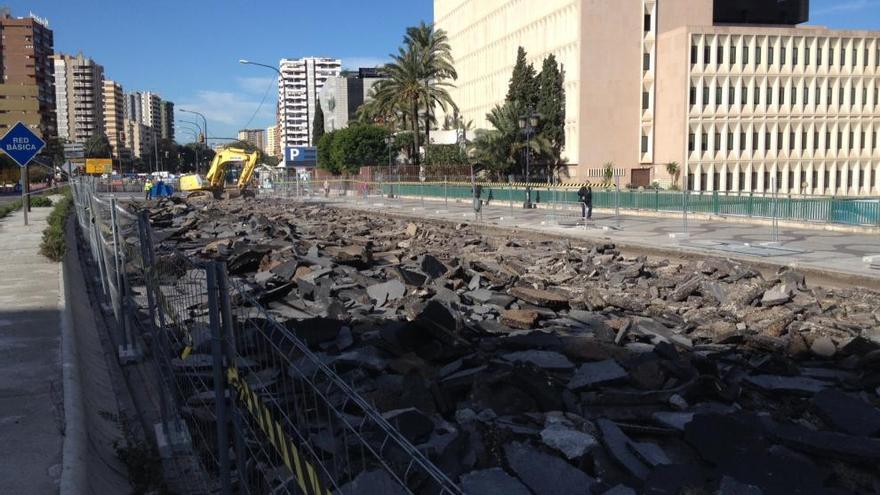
[188, 50]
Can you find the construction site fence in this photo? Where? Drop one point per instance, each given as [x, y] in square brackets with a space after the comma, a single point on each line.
[243, 405]
[861, 211]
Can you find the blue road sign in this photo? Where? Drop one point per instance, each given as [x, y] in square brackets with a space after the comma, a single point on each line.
[21, 144]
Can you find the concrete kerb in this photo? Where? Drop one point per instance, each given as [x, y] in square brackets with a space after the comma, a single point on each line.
[816, 276]
[74, 474]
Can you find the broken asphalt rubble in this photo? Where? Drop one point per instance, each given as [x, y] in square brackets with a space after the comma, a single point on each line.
[549, 367]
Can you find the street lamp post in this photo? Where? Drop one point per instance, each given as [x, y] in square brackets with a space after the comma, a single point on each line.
[528, 124]
[283, 104]
[196, 147]
[389, 142]
[204, 121]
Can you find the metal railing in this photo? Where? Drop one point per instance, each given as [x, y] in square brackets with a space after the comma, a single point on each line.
[849, 210]
[244, 405]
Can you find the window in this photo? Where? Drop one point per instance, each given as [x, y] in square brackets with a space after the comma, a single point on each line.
[647, 22]
[815, 182]
[646, 61]
[644, 144]
[852, 141]
[691, 142]
[852, 96]
[840, 96]
[770, 52]
[646, 100]
[707, 53]
[827, 176]
[794, 56]
[830, 57]
[790, 141]
[717, 146]
[861, 181]
[806, 95]
[731, 95]
[828, 96]
[849, 178]
[693, 96]
[705, 95]
[793, 95]
[744, 95]
[742, 181]
[819, 55]
[767, 185]
[779, 141]
[769, 96]
[876, 94]
[806, 54]
[732, 55]
[839, 140]
[842, 56]
[837, 178]
[729, 183]
[782, 55]
[757, 95]
[729, 141]
[754, 141]
[742, 141]
[781, 95]
[693, 54]
[766, 141]
[746, 55]
[719, 54]
[815, 141]
[718, 95]
[854, 57]
[862, 140]
[864, 96]
[758, 55]
[704, 146]
[865, 58]
[828, 140]
[754, 183]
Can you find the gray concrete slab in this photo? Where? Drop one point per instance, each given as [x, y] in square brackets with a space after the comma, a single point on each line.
[31, 392]
[808, 247]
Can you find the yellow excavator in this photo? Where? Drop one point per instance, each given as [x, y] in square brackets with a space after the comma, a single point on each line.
[214, 184]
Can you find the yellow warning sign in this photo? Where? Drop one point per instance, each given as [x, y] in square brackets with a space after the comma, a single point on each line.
[99, 165]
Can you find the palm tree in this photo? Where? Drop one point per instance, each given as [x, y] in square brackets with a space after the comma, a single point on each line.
[672, 170]
[416, 79]
[500, 148]
[608, 172]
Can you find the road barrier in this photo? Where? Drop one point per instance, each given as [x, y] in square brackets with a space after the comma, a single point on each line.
[861, 211]
[244, 406]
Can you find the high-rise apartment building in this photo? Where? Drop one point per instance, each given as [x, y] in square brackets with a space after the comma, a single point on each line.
[300, 84]
[151, 105]
[114, 117]
[139, 138]
[343, 94]
[166, 113]
[79, 96]
[256, 137]
[273, 141]
[27, 80]
[134, 109]
[737, 93]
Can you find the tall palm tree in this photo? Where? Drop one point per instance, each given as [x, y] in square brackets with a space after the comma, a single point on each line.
[436, 54]
[413, 83]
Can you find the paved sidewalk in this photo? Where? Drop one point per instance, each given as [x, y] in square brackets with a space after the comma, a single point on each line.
[31, 392]
[835, 253]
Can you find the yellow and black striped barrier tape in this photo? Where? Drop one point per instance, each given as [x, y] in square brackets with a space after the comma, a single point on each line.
[305, 473]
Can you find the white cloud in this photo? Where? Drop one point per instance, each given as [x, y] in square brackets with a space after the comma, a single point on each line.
[256, 85]
[850, 6]
[358, 62]
[227, 111]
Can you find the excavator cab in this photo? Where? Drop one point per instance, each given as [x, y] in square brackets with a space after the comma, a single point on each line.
[226, 162]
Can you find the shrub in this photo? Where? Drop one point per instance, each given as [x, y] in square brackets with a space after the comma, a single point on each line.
[40, 201]
[53, 245]
[9, 208]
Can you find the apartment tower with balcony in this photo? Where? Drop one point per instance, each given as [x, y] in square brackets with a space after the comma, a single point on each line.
[298, 90]
[79, 96]
[27, 78]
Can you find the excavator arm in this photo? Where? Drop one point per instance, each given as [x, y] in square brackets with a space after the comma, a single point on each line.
[215, 180]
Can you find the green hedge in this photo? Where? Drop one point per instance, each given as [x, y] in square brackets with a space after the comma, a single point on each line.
[53, 245]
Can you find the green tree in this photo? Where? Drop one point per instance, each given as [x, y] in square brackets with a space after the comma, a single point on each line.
[523, 87]
[98, 146]
[318, 124]
[444, 154]
[672, 170]
[345, 151]
[416, 80]
[551, 108]
[501, 149]
[325, 146]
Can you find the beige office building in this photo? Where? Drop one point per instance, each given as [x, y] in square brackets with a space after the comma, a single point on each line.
[79, 96]
[273, 136]
[114, 117]
[256, 137]
[739, 102]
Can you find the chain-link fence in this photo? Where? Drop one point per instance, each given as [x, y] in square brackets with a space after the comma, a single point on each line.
[242, 404]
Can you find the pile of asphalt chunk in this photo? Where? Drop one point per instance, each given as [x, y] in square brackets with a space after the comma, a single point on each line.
[550, 367]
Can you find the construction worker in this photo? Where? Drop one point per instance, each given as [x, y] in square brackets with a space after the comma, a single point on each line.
[148, 186]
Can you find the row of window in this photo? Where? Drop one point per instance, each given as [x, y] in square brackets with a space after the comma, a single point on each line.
[867, 141]
[791, 95]
[746, 54]
[784, 181]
